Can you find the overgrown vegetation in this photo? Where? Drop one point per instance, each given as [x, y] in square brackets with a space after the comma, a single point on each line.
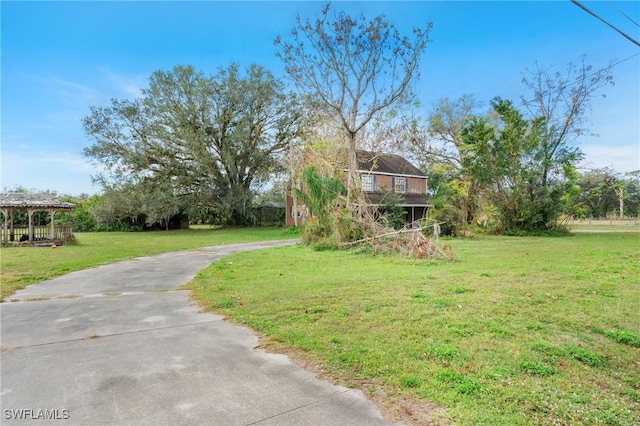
[520, 331]
[334, 225]
[320, 196]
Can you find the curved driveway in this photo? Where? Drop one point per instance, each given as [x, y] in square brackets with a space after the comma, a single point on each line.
[118, 344]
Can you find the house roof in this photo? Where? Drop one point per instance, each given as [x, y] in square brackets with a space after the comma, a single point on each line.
[33, 200]
[271, 204]
[408, 199]
[386, 163]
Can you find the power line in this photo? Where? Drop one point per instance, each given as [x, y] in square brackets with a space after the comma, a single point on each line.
[623, 14]
[625, 35]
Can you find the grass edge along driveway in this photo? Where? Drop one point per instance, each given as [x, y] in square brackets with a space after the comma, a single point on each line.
[22, 266]
[518, 331]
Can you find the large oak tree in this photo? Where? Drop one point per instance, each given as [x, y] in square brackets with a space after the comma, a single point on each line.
[205, 139]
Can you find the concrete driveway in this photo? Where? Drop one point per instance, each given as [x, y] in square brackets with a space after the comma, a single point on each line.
[118, 344]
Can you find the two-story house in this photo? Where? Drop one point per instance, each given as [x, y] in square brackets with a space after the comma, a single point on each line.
[379, 175]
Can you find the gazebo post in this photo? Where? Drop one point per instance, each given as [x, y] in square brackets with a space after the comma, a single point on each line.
[30, 214]
[12, 233]
[5, 232]
[52, 212]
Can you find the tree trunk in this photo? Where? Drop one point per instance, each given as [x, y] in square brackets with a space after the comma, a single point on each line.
[621, 199]
[353, 167]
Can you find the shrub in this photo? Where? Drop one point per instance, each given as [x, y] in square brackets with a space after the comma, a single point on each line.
[315, 230]
[347, 229]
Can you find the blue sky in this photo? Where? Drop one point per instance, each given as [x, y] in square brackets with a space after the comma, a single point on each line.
[59, 58]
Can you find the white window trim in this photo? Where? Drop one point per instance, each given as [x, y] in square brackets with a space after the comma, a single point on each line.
[373, 182]
[405, 184]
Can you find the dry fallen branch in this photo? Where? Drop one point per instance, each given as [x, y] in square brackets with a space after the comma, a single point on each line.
[411, 241]
[376, 237]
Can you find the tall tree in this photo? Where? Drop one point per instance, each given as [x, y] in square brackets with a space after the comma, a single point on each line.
[159, 207]
[441, 148]
[352, 69]
[204, 138]
[120, 208]
[597, 195]
[632, 193]
[561, 99]
[510, 161]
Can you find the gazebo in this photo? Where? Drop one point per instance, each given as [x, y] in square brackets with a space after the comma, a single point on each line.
[14, 204]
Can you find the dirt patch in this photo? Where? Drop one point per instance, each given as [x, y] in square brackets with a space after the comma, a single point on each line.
[403, 408]
[393, 406]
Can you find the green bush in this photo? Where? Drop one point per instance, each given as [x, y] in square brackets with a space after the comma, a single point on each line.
[392, 210]
[451, 220]
[315, 230]
[323, 244]
[347, 229]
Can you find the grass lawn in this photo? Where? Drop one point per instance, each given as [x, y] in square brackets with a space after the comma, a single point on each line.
[605, 225]
[21, 266]
[518, 331]
[608, 228]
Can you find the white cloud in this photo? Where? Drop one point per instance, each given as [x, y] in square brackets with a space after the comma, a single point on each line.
[623, 158]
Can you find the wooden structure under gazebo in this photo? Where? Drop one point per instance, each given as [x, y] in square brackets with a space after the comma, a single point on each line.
[12, 203]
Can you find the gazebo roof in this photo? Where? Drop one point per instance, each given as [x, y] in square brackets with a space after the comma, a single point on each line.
[37, 200]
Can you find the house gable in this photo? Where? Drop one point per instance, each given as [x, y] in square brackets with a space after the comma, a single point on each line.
[388, 164]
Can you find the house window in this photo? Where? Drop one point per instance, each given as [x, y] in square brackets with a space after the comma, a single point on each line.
[400, 185]
[368, 183]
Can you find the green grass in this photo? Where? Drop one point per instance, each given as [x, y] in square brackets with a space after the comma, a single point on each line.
[21, 266]
[605, 225]
[518, 331]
